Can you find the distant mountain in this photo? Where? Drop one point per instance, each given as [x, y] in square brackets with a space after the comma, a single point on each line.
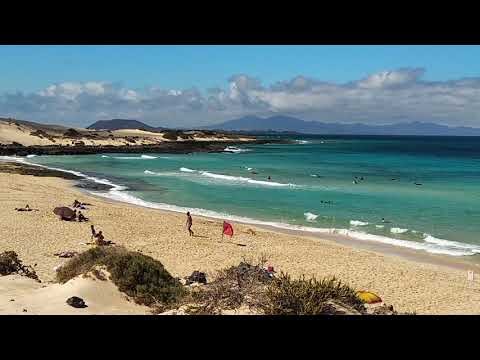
[291, 124]
[118, 124]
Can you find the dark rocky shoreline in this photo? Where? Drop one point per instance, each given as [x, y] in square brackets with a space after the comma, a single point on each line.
[27, 169]
[178, 147]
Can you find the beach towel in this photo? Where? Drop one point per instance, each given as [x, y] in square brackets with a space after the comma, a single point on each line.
[227, 229]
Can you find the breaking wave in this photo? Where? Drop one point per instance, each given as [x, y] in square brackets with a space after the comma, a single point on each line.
[142, 157]
[310, 216]
[234, 149]
[396, 230]
[236, 179]
[358, 223]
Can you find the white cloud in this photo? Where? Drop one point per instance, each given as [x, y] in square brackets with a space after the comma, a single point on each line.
[385, 79]
[383, 97]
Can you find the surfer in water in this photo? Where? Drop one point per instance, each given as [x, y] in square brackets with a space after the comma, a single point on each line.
[269, 178]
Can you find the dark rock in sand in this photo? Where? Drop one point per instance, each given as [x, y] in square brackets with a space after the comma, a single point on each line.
[25, 169]
[197, 277]
[90, 185]
[76, 302]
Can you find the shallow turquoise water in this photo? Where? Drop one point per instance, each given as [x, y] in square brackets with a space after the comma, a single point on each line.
[312, 185]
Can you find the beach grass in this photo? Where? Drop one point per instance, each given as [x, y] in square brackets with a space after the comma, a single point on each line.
[139, 276]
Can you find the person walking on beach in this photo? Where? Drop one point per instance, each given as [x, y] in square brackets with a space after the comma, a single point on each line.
[189, 223]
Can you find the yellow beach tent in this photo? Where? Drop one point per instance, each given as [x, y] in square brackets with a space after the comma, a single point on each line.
[369, 297]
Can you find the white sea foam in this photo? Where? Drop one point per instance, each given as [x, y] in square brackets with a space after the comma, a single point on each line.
[142, 157]
[303, 142]
[451, 244]
[105, 156]
[148, 172]
[31, 156]
[380, 226]
[396, 230]
[236, 179]
[14, 159]
[310, 216]
[184, 169]
[431, 248]
[358, 223]
[234, 149]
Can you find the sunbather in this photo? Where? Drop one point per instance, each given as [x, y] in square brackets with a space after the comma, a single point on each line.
[81, 217]
[26, 208]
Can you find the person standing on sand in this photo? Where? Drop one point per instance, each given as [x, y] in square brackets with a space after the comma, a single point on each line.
[189, 223]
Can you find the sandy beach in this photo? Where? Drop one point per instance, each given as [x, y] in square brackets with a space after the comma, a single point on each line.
[407, 284]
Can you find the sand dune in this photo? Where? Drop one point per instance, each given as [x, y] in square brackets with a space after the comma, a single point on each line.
[101, 297]
[32, 134]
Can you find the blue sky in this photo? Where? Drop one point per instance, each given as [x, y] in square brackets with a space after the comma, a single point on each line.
[31, 68]
[200, 85]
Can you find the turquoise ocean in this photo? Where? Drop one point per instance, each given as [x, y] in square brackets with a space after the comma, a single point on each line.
[426, 189]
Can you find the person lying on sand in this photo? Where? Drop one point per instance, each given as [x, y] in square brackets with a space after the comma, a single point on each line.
[26, 208]
[66, 254]
[81, 217]
[79, 205]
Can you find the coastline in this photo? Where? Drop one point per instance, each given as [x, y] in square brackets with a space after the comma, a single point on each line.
[172, 147]
[410, 284]
[98, 188]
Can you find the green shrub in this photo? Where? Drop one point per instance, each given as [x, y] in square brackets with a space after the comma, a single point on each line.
[285, 296]
[184, 136]
[233, 287]
[11, 264]
[139, 276]
[72, 133]
[170, 135]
